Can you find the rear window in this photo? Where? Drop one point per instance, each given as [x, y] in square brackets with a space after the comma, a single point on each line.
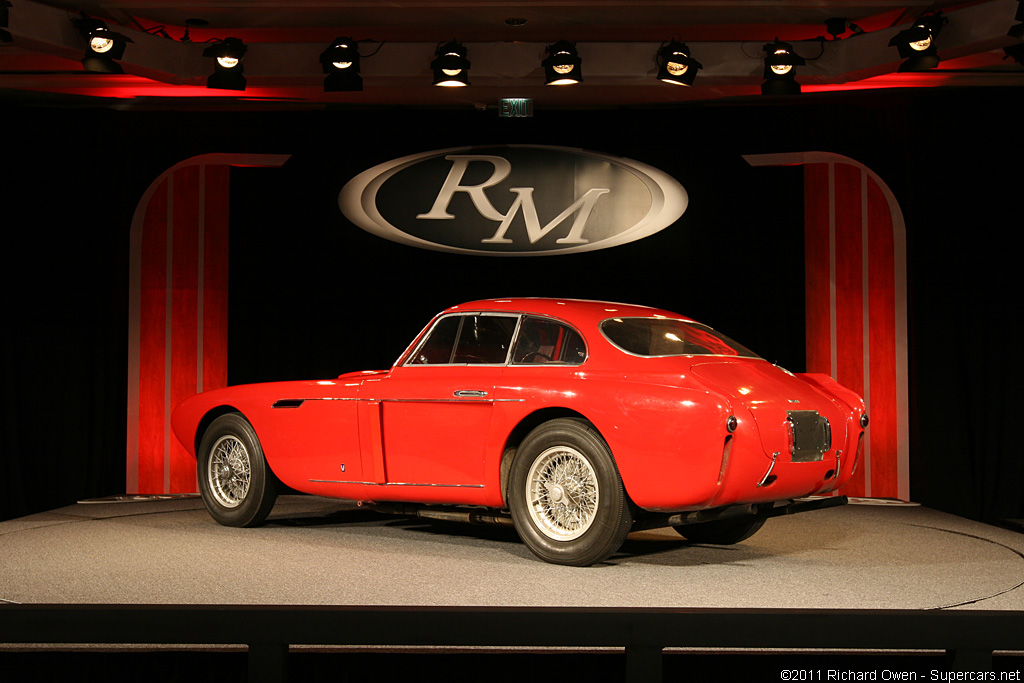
[665, 337]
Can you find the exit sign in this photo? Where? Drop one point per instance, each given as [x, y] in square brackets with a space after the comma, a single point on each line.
[516, 107]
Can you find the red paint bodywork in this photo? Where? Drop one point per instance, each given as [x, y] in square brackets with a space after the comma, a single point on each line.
[402, 435]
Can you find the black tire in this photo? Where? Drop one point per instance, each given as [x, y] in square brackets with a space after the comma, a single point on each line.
[237, 485]
[565, 494]
[721, 532]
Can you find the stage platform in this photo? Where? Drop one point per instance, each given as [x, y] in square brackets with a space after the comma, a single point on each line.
[316, 551]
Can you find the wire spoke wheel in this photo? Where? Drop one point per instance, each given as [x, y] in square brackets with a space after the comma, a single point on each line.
[563, 493]
[238, 487]
[229, 471]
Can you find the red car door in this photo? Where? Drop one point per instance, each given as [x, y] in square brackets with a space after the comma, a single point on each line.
[436, 408]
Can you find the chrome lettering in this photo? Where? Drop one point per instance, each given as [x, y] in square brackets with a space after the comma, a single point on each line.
[524, 198]
[460, 162]
[582, 207]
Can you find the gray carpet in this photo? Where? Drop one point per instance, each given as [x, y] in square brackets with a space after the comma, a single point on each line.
[320, 552]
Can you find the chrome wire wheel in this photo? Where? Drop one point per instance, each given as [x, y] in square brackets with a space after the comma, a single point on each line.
[562, 493]
[238, 486]
[565, 495]
[229, 471]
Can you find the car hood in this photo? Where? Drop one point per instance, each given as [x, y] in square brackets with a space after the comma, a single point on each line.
[770, 394]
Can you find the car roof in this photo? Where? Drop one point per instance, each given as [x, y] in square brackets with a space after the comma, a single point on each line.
[578, 311]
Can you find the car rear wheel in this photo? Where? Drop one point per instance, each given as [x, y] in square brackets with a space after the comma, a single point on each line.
[236, 484]
[722, 532]
[566, 496]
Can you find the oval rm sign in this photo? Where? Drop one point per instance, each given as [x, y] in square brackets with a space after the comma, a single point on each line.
[513, 200]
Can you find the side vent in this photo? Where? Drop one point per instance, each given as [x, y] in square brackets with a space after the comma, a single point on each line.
[289, 403]
[726, 451]
[859, 454]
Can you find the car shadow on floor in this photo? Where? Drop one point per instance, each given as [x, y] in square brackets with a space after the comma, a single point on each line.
[643, 547]
[336, 518]
[369, 517]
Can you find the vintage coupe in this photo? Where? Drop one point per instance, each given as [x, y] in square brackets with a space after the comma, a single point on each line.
[575, 421]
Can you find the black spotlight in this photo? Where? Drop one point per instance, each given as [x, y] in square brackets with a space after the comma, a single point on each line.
[675, 65]
[227, 66]
[5, 18]
[917, 43]
[779, 61]
[451, 68]
[341, 64]
[102, 46]
[836, 26]
[562, 66]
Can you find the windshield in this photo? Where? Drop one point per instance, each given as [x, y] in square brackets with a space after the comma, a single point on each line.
[665, 337]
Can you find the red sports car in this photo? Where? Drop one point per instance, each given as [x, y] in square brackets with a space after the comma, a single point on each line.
[575, 421]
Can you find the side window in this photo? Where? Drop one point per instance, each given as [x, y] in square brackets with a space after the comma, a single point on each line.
[473, 339]
[440, 342]
[544, 341]
[485, 339]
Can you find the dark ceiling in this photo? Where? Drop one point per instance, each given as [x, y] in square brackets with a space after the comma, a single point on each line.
[617, 40]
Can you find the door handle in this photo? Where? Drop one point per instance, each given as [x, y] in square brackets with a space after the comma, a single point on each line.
[468, 393]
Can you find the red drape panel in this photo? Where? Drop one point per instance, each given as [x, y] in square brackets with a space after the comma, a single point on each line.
[885, 382]
[152, 318]
[178, 311]
[855, 296]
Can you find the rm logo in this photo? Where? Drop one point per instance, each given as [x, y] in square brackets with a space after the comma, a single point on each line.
[582, 207]
[515, 200]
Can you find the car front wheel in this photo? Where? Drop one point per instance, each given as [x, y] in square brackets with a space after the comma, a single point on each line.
[566, 496]
[236, 484]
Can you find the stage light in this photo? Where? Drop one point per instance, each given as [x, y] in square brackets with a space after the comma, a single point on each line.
[451, 68]
[836, 26]
[5, 18]
[341, 64]
[102, 46]
[227, 66]
[917, 43]
[562, 66]
[778, 69]
[675, 65]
